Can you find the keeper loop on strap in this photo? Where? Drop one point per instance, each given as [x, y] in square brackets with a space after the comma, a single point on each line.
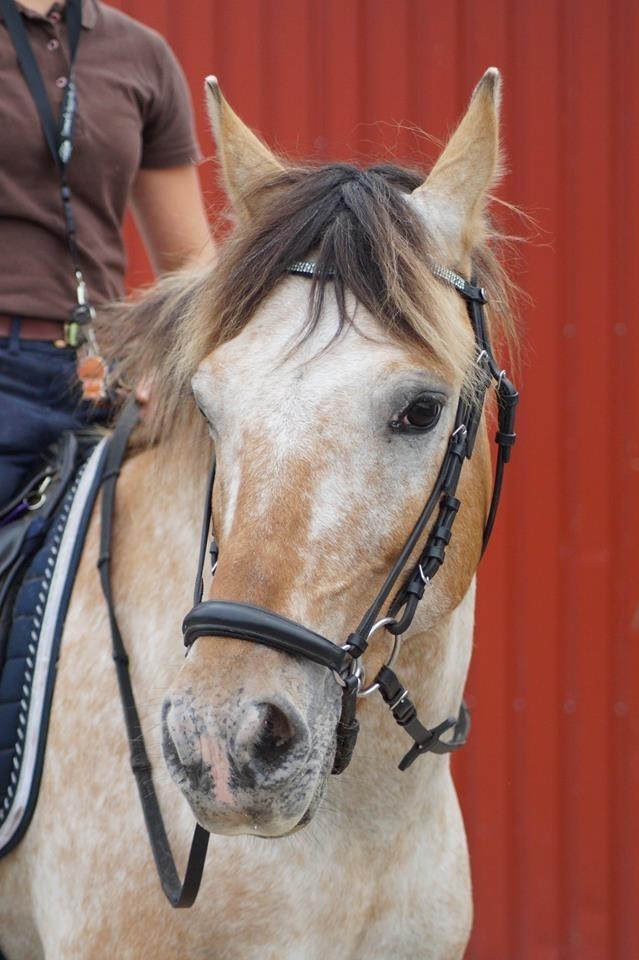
[442, 532]
[415, 588]
[403, 709]
[458, 440]
[357, 644]
[436, 551]
[141, 765]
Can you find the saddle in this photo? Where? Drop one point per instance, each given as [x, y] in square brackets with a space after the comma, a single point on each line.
[42, 533]
[25, 521]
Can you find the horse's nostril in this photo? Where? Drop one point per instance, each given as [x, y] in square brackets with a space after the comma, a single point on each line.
[275, 735]
[269, 734]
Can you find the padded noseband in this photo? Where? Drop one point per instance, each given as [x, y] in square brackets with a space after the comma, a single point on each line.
[244, 621]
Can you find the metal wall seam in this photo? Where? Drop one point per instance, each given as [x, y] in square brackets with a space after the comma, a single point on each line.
[623, 458]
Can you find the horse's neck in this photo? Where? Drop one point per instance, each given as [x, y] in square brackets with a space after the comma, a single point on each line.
[158, 518]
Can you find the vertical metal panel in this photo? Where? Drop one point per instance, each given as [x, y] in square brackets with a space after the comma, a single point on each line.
[624, 467]
[550, 782]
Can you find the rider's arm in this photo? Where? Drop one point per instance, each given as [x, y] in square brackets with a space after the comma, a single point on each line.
[170, 215]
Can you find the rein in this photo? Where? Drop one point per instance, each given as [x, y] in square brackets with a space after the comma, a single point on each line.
[244, 621]
[179, 894]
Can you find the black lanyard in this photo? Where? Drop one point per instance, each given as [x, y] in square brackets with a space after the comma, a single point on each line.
[59, 136]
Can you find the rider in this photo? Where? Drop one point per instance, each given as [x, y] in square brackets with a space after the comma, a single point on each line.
[133, 142]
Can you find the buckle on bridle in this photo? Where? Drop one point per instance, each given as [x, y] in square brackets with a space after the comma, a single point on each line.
[356, 667]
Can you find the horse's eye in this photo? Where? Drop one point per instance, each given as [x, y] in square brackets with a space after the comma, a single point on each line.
[420, 416]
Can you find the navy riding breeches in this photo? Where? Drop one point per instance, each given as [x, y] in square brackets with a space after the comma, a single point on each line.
[40, 397]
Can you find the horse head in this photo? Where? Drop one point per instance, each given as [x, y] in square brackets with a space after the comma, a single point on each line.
[330, 400]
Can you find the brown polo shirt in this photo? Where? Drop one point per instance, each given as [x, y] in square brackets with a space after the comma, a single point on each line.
[133, 112]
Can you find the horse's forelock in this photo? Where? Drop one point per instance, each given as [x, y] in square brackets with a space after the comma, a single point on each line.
[365, 239]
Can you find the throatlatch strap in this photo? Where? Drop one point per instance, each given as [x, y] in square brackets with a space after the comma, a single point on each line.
[507, 400]
[179, 894]
[405, 714]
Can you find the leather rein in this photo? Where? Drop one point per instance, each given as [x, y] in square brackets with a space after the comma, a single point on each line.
[244, 621]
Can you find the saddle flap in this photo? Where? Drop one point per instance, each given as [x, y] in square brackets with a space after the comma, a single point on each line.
[36, 501]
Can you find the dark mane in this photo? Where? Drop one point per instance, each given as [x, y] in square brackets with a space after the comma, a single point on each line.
[365, 239]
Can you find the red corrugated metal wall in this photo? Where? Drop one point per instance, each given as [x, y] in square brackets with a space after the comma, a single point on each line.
[550, 782]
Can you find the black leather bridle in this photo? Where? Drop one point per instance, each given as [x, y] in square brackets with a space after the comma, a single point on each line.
[245, 621]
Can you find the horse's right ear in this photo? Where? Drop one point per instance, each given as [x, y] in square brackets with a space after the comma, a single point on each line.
[454, 195]
[244, 159]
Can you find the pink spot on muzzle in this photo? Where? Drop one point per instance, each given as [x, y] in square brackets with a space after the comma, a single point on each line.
[214, 755]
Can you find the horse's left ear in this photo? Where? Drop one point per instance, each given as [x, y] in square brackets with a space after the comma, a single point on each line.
[244, 159]
[453, 197]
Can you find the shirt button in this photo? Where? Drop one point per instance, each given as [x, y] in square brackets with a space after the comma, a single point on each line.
[61, 82]
[53, 45]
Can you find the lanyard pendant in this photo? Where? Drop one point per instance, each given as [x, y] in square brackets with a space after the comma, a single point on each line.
[79, 333]
[92, 376]
[78, 330]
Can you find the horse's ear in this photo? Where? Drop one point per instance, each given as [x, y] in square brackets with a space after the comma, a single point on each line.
[244, 159]
[453, 197]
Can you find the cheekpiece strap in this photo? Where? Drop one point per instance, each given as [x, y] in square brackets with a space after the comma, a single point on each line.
[460, 448]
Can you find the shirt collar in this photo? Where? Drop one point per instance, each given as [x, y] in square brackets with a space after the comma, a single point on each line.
[89, 13]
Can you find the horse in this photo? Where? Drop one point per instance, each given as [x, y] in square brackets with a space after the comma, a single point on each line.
[330, 401]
